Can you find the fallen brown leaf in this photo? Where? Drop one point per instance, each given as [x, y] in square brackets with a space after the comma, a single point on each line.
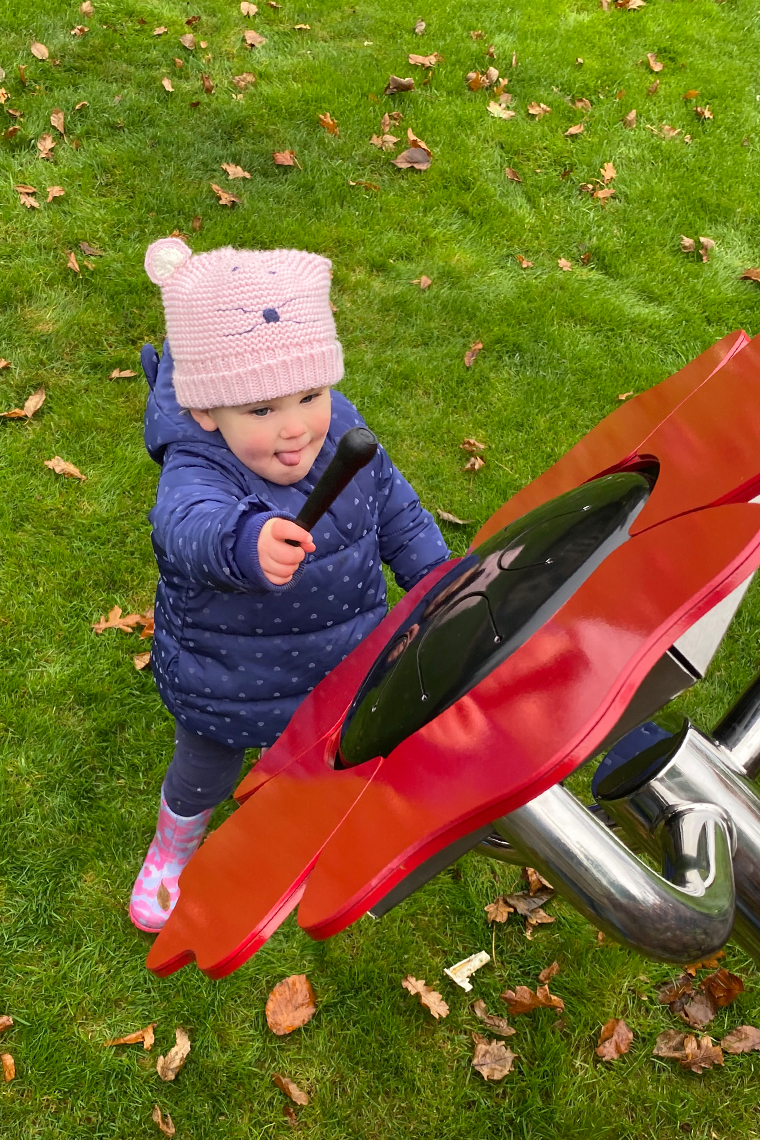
[141, 661]
[384, 142]
[165, 1123]
[125, 622]
[499, 910]
[163, 898]
[11, 131]
[248, 9]
[4, 96]
[191, 21]
[63, 467]
[571, 132]
[224, 197]
[500, 112]
[159, 31]
[167, 1067]
[722, 986]
[428, 997]
[750, 275]
[253, 39]
[121, 374]
[56, 120]
[364, 185]
[512, 174]
[654, 62]
[330, 124]
[538, 109]
[603, 193]
[614, 1040]
[166, 83]
[549, 972]
[290, 1088]
[415, 157]
[524, 263]
[145, 1037]
[705, 963]
[302, 27]
[26, 199]
[492, 1059]
[523, 1000]
[423, 282]
[536, 882]
[419, 28]
[629, 122]
[188, 41]
[244, 80]
[6, 1021]
[624, 395]
[425, 60]
[290, 1005]
[9, 1066]
[563, 263]
[653, 87]
[32, 405]
[608, 172]
[45, 144]
[741, 1040]
[208, 86]
[472, 445]
[582, 105]
[396, 84]
[474, 463]
[234, 171]
[453, 519]
[39, 51]
[55, 192]
[472, 353]
[285, 158]
[703, 112]
[495, 1023]
[79, 30]
[72, 262]
[478, 35]
[684, 1048]
[86, 8]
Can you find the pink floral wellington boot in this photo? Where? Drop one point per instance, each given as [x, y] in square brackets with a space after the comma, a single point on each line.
[177, 838]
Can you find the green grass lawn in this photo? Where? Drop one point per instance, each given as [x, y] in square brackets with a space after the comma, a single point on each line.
[85, 739]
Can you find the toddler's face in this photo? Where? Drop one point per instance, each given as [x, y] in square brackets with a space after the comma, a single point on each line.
[278, 439]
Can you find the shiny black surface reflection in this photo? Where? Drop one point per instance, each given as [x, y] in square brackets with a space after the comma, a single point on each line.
[485, 607]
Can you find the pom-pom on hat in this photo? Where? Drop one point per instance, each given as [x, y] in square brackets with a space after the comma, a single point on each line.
[245, 325]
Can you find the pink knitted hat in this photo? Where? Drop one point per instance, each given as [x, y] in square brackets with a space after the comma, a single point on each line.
[245, 325]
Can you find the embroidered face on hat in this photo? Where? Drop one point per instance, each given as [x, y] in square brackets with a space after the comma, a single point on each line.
[245, 325]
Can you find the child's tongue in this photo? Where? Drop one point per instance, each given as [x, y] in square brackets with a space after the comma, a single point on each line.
[289, 458]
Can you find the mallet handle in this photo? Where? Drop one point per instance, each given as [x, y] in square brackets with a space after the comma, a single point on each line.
[355, 449]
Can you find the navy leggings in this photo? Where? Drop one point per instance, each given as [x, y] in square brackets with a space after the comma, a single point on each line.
[202, 773]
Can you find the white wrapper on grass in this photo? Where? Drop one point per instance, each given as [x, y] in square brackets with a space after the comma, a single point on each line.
[460, 973]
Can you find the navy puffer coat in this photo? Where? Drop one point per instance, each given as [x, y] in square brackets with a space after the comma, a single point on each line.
[234, 655]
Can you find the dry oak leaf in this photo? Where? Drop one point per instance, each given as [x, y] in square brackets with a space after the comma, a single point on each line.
[679, 1047]
[145, 1037]
[415, 142]
[608, 172]
[90, 250]
[290, 1005]
[449, 518]
[495, 1023]
[72, 262]
[32, 405]
[471, 445]
[208, 86]
[500, 112]
[563, 263]
[188, 41]
[423, 282]
[244, 80]
[389, 119]
[56, 120]
[4, 363]
[614, 1039]
[428, 997]
[499, 910]
[474, 463]
[39, 51]
[27, 200]
[396, 84]
[121, 374]
[492, 1059]
[253, 39]
[79, 30]
[287, 1109]
[722, 986]
[364, 185]
[167, 1067]
[630, 120]
[750, 275]
[571, 132]
[4, 96]
[384, 142]
[549, 972]
[9, 1066]
[653, 88]
[692, 93]
[472, 352]
[419, 28]
[524, 263]
[330, 124]
[159, 31]
[79, 106]
[697, 1010]
[62, 467]
[165, 1123]
[538, 109]
[86, 8]
[55, 192]
[512, 174]
[234, 171]
[703, 112]
[225, 198]
[141, 660]
[6, 1021]
[582, 105]
[415, 157]
[45, 144]
[603, 193]
[285, 158]
[523, 1000]
[248, 9]
[290, 1088]
[166, 83]
[191, 21]
[115, 620]
[426, 60]
[654, 62]
[741, 1040]
[536, 883]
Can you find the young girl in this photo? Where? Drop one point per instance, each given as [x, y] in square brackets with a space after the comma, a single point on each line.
[242, 420]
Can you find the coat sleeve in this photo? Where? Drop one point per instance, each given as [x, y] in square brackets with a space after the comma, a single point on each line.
[207, 530]
[410, 542]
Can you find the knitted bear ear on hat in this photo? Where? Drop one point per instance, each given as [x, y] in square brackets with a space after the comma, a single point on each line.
[164, 257]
